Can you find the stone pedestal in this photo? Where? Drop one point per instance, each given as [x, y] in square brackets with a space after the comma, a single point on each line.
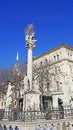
[31, 101]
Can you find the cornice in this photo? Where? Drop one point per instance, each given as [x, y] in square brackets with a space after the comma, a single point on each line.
[54, 49]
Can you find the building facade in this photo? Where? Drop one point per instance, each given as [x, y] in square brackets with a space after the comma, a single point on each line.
[56, 77]
[52, 82]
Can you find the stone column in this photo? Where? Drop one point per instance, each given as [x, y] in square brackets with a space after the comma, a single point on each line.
[29, 67]
[30, 44]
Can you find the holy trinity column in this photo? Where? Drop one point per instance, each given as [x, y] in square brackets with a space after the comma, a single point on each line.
[31, 97]
[30, 44]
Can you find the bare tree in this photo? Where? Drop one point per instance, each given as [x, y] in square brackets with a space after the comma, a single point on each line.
[8, 75]
[5, 75]
[42, 74]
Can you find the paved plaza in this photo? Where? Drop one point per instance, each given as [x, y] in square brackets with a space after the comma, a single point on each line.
[40, 124]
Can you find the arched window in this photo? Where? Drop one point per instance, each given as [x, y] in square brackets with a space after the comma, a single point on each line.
[54, 58]
[57, 57]
[46, 61]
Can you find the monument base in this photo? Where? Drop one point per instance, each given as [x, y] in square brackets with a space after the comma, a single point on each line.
[32, 101]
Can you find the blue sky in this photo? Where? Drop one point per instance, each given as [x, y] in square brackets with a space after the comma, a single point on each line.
[53, 20]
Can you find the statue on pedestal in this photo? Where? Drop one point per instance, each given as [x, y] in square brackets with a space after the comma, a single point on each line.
[31, 97]
[26, 84]
[30, 36]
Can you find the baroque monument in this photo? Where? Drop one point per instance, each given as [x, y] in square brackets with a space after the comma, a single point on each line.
[30, 45]
[31, 97]
[48, 83]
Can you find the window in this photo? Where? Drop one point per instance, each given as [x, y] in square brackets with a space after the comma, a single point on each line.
[46, 61]
[54, 58]
[70, 55]
[59, 69]
[57, 57]
[48, 87]
[71, 69]
[41, 63]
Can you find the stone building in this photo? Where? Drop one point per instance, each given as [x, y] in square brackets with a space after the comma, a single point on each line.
[52, 82]
[54, 73]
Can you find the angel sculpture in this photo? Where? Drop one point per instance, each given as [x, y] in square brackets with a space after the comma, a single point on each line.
[30, 36]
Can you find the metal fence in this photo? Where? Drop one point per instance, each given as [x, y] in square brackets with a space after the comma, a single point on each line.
[33, 115]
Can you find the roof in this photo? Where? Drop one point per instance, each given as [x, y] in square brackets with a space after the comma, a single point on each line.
[54, 49]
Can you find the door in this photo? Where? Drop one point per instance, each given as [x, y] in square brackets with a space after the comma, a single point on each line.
[47, 102]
